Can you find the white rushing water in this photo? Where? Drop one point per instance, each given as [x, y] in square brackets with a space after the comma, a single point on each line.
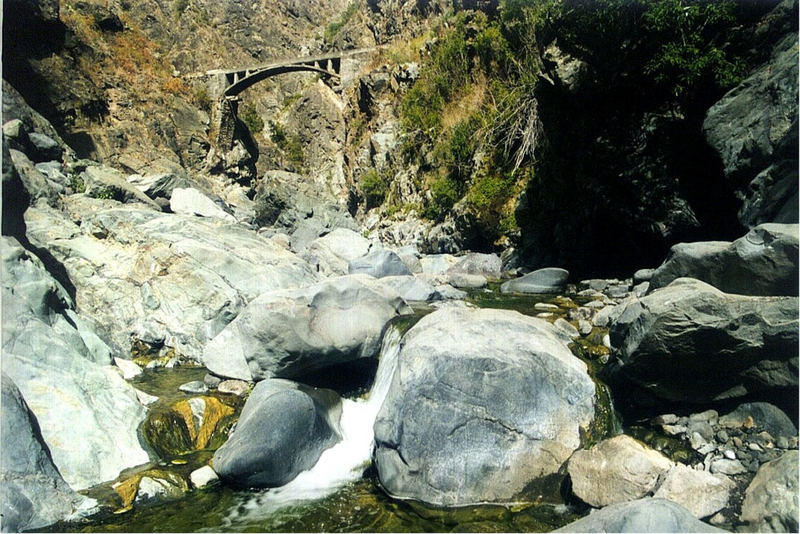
[345, 461]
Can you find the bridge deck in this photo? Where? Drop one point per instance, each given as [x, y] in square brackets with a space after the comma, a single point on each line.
[294, 61]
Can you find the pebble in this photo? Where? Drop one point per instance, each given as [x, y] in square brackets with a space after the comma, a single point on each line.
[145, 398]
[603, 317]
[702, 428]
[584, 327]
[569, 330]
[545, 315]
[596, 284]
[589, 293]
[722, 436]
[233, 387]
[128, 368]
[697, 441]
[605, 358]
[708, 416]
[595, 305]
[173, 362]
[665, 419]
[753, 446]
[196, 387]
[674, 430]
[544, 306]
[707, 448]
[766, 439]
[727, 467]
[211, 380]
[205, 476]
[793, 442]
[737, 442]
[154, 364]
[753, 466]
[729, 454]
[607, 341]
[617, 292]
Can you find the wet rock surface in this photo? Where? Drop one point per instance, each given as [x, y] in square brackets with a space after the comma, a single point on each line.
[283, 429]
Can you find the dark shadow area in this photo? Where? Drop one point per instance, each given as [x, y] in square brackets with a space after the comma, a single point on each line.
[350, 379]
[15, 201]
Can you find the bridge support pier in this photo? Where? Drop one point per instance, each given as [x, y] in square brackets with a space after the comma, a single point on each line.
[225, 123]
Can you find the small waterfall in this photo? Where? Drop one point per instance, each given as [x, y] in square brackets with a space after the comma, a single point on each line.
[345, 461]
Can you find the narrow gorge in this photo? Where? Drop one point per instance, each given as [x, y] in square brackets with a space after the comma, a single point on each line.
[400, 266]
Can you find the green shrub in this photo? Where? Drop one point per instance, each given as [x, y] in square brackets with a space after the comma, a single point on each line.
[491, 191]
[179, 6]
[333, 28]
[444, 194]
[201, 98]
[373, 187]
[290, 145]
[77, 184]
[251, 118]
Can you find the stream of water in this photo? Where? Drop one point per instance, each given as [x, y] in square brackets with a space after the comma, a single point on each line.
[341, 492]
[343, 463]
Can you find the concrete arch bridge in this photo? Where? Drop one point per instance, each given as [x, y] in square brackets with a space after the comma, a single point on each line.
[226, 84]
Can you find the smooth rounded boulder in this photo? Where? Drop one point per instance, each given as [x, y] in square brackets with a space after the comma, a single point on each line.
[616, 470]
[643, 515]
[483, 402]
[283, 429]
[763, 262]
[690, 342]
[284, 334]
[547, 280]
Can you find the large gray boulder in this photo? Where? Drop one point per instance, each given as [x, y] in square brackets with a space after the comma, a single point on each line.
[643, 515]
[763, 262]
[547, 280]
[83, 406]
[412, 288]
[34, 181]
[483, 402]
[690, 342]
[158, 185]
[332, 253]
[488, 265]
[284, 334]
[283, 429]
[191, 201]
[379, 263]
[162, 278]
[32, 492]
[771, 500]
[299, 206]
[754, 130]
[105, 182]
[616, 470]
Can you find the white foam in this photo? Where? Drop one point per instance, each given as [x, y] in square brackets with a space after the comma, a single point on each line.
[344, 462]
